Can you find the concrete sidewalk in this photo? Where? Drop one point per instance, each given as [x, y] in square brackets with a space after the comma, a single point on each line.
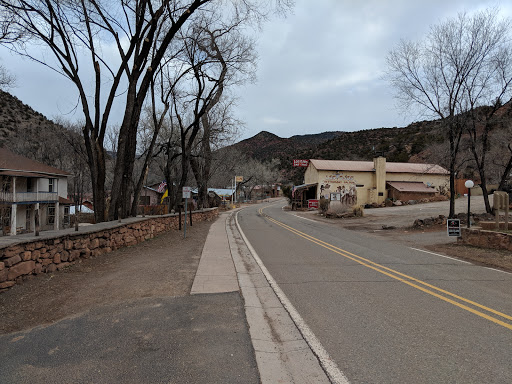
[227, 265]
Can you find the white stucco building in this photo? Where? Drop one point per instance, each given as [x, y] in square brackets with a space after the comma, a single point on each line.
[29, 188]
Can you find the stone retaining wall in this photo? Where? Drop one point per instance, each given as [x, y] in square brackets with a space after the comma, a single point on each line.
[479, 237]
[27, 258]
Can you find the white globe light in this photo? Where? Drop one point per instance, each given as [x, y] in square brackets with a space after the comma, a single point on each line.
[469, 184]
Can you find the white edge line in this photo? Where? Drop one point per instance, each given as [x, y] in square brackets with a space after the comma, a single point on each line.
[329, 366]
[498, 270]
[437, 254]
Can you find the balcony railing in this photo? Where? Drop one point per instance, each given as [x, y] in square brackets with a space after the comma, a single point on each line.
[26, 197]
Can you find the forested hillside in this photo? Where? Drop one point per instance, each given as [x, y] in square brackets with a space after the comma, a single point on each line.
[424, 141]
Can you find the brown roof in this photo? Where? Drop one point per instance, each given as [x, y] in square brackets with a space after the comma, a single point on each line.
[368, 166]
[63, 200]
[411, 186]
[17, 165]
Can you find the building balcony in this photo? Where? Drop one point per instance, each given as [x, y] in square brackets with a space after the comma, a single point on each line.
[28, 197]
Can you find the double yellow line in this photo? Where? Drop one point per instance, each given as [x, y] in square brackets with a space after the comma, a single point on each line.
[406, 279]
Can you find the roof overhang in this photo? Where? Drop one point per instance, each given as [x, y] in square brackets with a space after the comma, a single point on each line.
[28, 174]
[411, 186]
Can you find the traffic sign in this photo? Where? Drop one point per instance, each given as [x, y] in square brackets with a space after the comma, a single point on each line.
[187, 192]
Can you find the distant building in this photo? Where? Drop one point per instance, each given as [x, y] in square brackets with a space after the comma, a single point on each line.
[367, 182]
[28, 186]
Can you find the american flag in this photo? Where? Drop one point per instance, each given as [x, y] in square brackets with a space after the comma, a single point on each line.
[161, 187]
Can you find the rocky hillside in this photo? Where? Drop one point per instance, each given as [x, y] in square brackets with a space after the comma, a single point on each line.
[29, 133]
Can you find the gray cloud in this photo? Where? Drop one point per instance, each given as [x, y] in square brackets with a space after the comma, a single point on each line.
[320, 68]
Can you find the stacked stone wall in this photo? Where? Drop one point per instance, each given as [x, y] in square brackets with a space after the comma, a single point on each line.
[479, 237]
[25, 259]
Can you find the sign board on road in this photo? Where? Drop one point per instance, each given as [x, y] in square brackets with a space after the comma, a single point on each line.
[187, 192]
[453, 227]
[239, 179]
[313, 204]
[300, 163]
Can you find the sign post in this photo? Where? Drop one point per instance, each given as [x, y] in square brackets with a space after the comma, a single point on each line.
[238, 179]
[187, 193]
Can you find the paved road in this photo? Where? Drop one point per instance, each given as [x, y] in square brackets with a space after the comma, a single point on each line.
[387, 313]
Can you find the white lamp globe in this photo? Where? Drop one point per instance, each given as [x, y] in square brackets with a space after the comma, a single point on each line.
[469, 184]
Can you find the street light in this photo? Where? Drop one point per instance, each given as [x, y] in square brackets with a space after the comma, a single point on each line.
[469, 184]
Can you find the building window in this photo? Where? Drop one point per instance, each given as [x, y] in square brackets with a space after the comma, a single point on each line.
[6, 184]
[66, 216]
[50, 214]
[28, 218]
[144, 200]
[51, 185]
[29, 185]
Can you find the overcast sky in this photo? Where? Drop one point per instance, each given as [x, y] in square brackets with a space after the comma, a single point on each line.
[320, 68]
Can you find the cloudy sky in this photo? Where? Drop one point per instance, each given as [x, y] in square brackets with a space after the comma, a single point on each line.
[320, 68]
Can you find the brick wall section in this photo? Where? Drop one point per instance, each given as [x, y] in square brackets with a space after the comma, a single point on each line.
[22, 260]
[479, 237]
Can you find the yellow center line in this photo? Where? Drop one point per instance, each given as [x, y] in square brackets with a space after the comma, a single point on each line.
[395, 275]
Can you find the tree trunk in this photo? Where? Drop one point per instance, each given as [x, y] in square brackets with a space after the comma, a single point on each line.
[452, 174]
[506, 173]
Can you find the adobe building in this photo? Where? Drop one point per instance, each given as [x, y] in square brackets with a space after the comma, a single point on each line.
[366, 182]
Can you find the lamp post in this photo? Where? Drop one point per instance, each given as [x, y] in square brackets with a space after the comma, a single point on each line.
[469, 184]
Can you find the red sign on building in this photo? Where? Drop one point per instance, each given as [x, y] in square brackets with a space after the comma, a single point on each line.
[300, 163]
[313, 204]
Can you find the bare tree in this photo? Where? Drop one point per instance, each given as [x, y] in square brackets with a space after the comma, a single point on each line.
[7, 80]
[218, 128]
[78, 33]
[437, 75]
[72, 30]
[234, 56]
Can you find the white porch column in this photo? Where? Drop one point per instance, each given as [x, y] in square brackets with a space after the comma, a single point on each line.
[14, 212]
[14, 207]
[57, 216]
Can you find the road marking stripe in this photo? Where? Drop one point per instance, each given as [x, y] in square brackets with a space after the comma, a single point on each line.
[327, 363]
[380, 268]
[437, 254]
[304, 218]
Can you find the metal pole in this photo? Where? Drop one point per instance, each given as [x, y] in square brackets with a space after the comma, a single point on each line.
[185, 225]
[469, 206]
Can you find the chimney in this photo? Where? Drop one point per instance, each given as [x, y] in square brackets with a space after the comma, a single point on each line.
[379, 164]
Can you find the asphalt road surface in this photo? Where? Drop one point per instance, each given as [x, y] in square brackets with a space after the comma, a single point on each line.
[386, 312]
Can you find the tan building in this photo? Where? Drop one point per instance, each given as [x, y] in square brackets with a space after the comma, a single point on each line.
[367, 182]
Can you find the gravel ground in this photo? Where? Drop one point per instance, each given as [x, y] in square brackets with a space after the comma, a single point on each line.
[160, 267]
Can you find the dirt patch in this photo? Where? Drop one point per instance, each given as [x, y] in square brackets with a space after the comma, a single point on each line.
[495, 258]
[163, 266]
